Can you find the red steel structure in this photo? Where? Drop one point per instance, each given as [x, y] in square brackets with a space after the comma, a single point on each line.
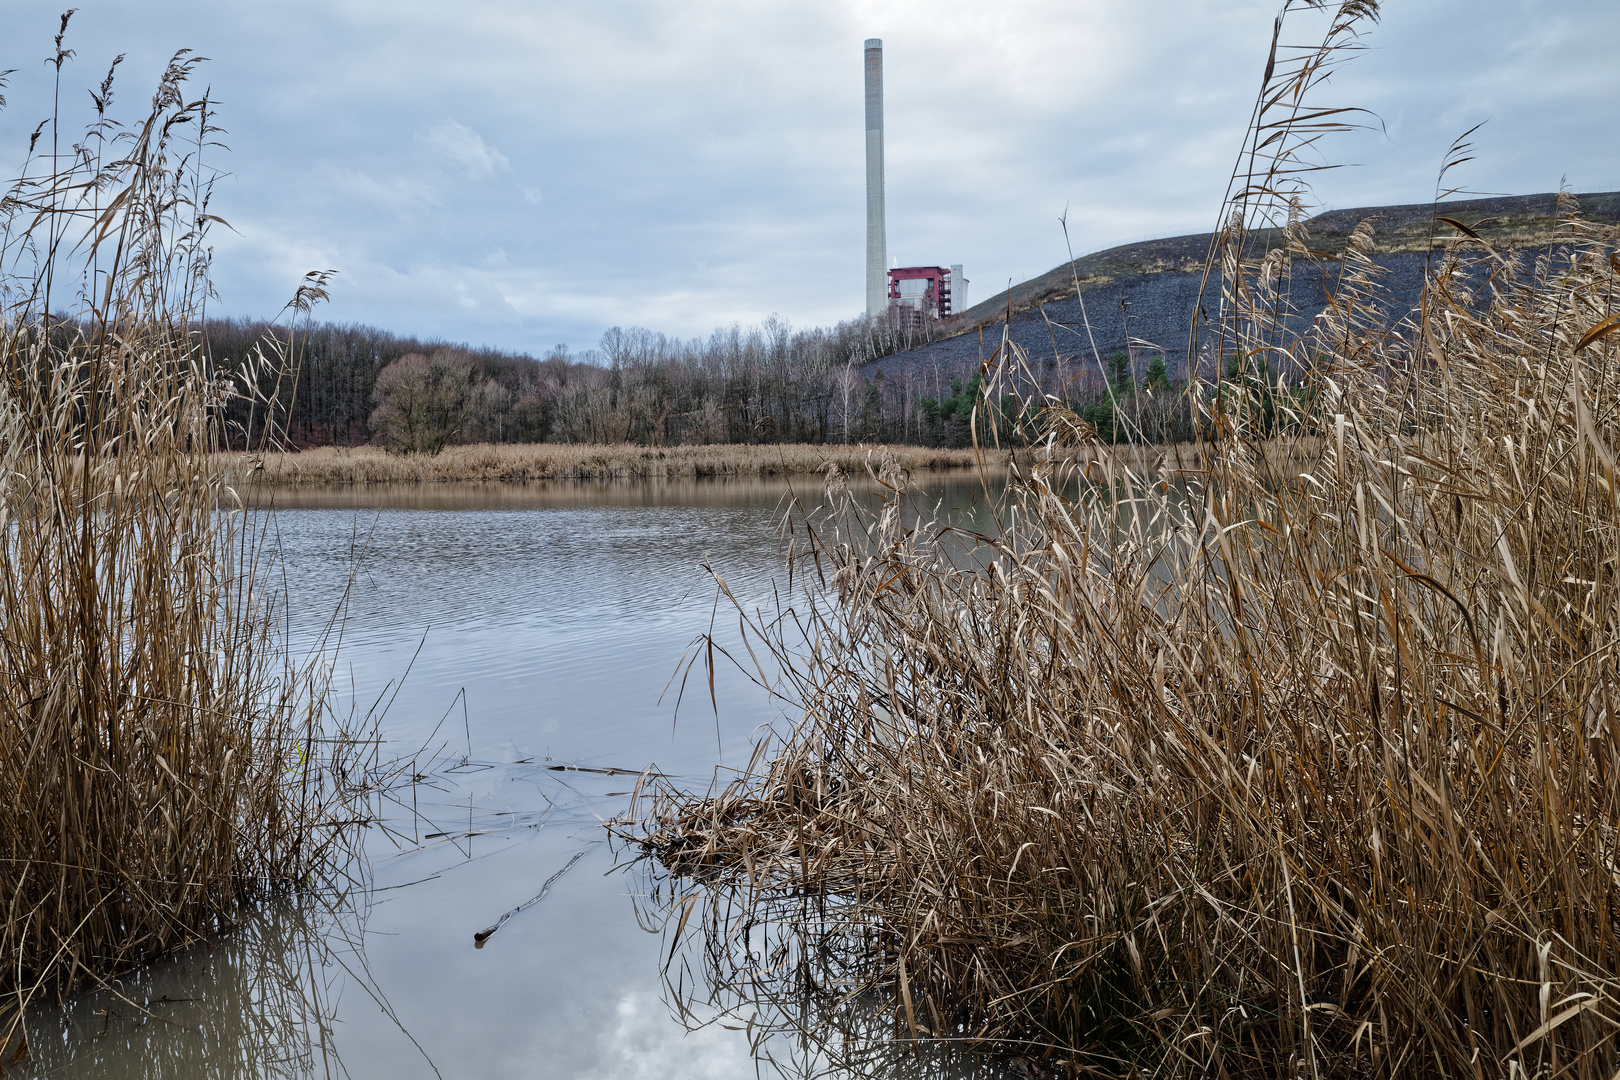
[919, 291]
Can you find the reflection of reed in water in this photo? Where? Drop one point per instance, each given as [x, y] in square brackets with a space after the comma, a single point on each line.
[255, 1002]
[582, 461]
[764, 492]
[798, 975]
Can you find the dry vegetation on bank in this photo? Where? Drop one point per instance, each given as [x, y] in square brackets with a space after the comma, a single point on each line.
[1279, 457]
[554, 461]
[1224, 776]
[161, 759]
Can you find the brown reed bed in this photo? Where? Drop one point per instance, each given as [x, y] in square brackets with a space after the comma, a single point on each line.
[161, 758]
[1223, 776]
[1280, 457]
[570, 461]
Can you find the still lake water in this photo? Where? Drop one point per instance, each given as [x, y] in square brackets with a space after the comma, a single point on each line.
[541, 626]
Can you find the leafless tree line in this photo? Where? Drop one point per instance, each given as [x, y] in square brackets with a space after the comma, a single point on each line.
[766, 383]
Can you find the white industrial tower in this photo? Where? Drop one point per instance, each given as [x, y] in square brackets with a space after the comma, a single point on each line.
[877, 257]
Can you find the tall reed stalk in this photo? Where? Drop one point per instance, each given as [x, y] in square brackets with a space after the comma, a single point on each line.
[1299, 763]
[160, 757]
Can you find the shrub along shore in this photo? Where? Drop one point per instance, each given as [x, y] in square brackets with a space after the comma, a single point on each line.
[556, 461]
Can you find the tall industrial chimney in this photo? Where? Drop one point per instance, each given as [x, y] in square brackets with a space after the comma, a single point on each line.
[877, 286]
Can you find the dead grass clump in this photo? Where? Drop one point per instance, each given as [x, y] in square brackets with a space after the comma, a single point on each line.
[572, 461]
[159, 759]
[1218, 775]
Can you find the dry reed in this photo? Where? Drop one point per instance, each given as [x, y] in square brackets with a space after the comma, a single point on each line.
[1095, 459]
[568, 461]
[1296, 764]
[160, 757]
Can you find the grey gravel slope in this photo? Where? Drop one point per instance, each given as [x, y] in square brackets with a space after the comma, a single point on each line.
[1146, 295]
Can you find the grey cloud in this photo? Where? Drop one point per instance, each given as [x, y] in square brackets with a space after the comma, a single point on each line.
[459, 147]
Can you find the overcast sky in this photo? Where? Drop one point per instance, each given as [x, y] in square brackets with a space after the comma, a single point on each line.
[521, 173]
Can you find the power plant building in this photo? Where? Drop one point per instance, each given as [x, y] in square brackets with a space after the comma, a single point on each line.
[933, 291]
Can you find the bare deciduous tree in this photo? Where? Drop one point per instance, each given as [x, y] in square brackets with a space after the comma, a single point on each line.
[424, 402]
